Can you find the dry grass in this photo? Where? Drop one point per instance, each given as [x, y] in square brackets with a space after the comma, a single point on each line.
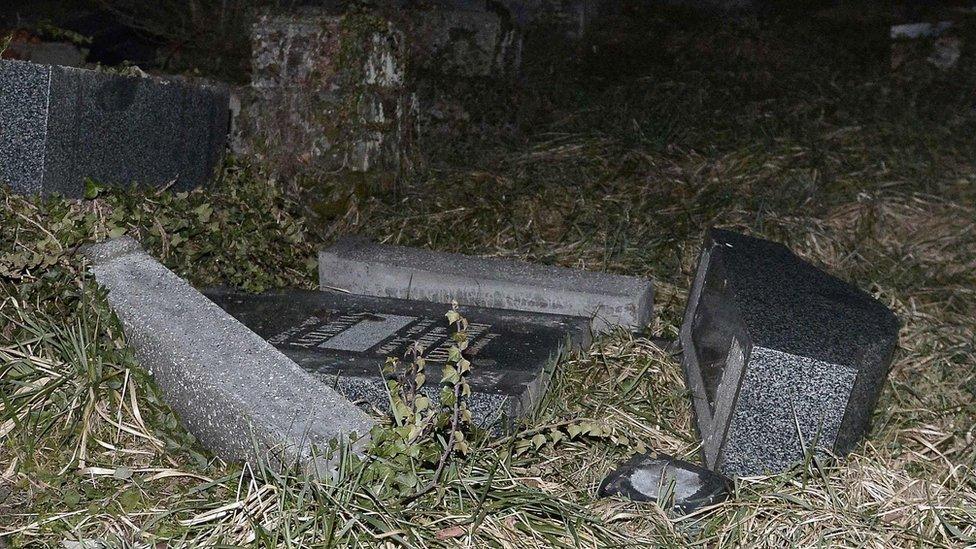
[867, 174]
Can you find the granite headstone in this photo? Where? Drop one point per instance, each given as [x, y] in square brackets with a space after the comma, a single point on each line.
[60, 126]
[781, 358]
[344, 340]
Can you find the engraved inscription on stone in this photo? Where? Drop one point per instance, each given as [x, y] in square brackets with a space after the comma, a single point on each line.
[381, 333]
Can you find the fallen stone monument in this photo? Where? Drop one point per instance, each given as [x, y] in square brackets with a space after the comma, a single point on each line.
[669, 482]
[362, 267]
[60, 126]
[241, 397]
[343, 341]
[781, 358]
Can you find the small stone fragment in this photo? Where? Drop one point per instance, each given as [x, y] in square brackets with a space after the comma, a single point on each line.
[670, 482]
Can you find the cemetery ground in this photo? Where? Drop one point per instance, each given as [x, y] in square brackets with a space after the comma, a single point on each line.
[784, 132]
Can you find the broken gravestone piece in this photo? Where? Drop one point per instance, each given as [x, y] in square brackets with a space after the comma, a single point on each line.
[343, 340]
[362, 267]
[667, 481]
[60, 126]
[241, 397]
[780, 357]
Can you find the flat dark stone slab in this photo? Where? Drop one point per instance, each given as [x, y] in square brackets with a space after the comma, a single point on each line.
[344, 339]
[780, 356]
[667, 481]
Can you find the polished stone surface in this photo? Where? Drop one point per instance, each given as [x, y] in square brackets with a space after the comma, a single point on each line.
[670, 482]
[780, 356]
[60, 126]
[344, 340]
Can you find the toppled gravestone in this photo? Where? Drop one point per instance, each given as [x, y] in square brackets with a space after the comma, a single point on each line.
[363, 267]
[780, 357]
[60, 126]
[241, 397]
[667, 481]
[343, 341]
[327, 96]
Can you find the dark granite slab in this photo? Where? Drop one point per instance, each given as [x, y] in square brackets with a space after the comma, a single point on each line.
[780, 356]
[344, 339]
[60, 126]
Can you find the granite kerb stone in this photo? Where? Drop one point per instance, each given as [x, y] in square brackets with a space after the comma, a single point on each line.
[241, 397]
[362, 267]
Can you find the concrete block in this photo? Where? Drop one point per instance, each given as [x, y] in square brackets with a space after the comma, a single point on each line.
[366, 268]
[241, 397]
[62, 125]
[779, 356]
[343, 340]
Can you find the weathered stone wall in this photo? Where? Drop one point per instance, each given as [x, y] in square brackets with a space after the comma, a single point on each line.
[327, 96]
[355, 96]
[463, 64]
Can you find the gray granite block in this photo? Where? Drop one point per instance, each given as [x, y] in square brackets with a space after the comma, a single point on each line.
[344, 340]
[362, 267]
[236, 393]
[60, 126]
[780, 357]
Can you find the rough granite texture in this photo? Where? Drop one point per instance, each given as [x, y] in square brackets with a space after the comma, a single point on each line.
[362, 267]
[60, 126]
[237, 394]
[344, 339]
[24, 89]
[776, 349]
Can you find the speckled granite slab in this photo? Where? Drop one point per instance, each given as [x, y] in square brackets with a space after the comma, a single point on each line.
[779, 356]
[62, 125]
[237, 394]
[363, 267]
[344, 339]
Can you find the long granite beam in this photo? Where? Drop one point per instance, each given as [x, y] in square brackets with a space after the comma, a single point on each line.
[241, 397]
[363, 267]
